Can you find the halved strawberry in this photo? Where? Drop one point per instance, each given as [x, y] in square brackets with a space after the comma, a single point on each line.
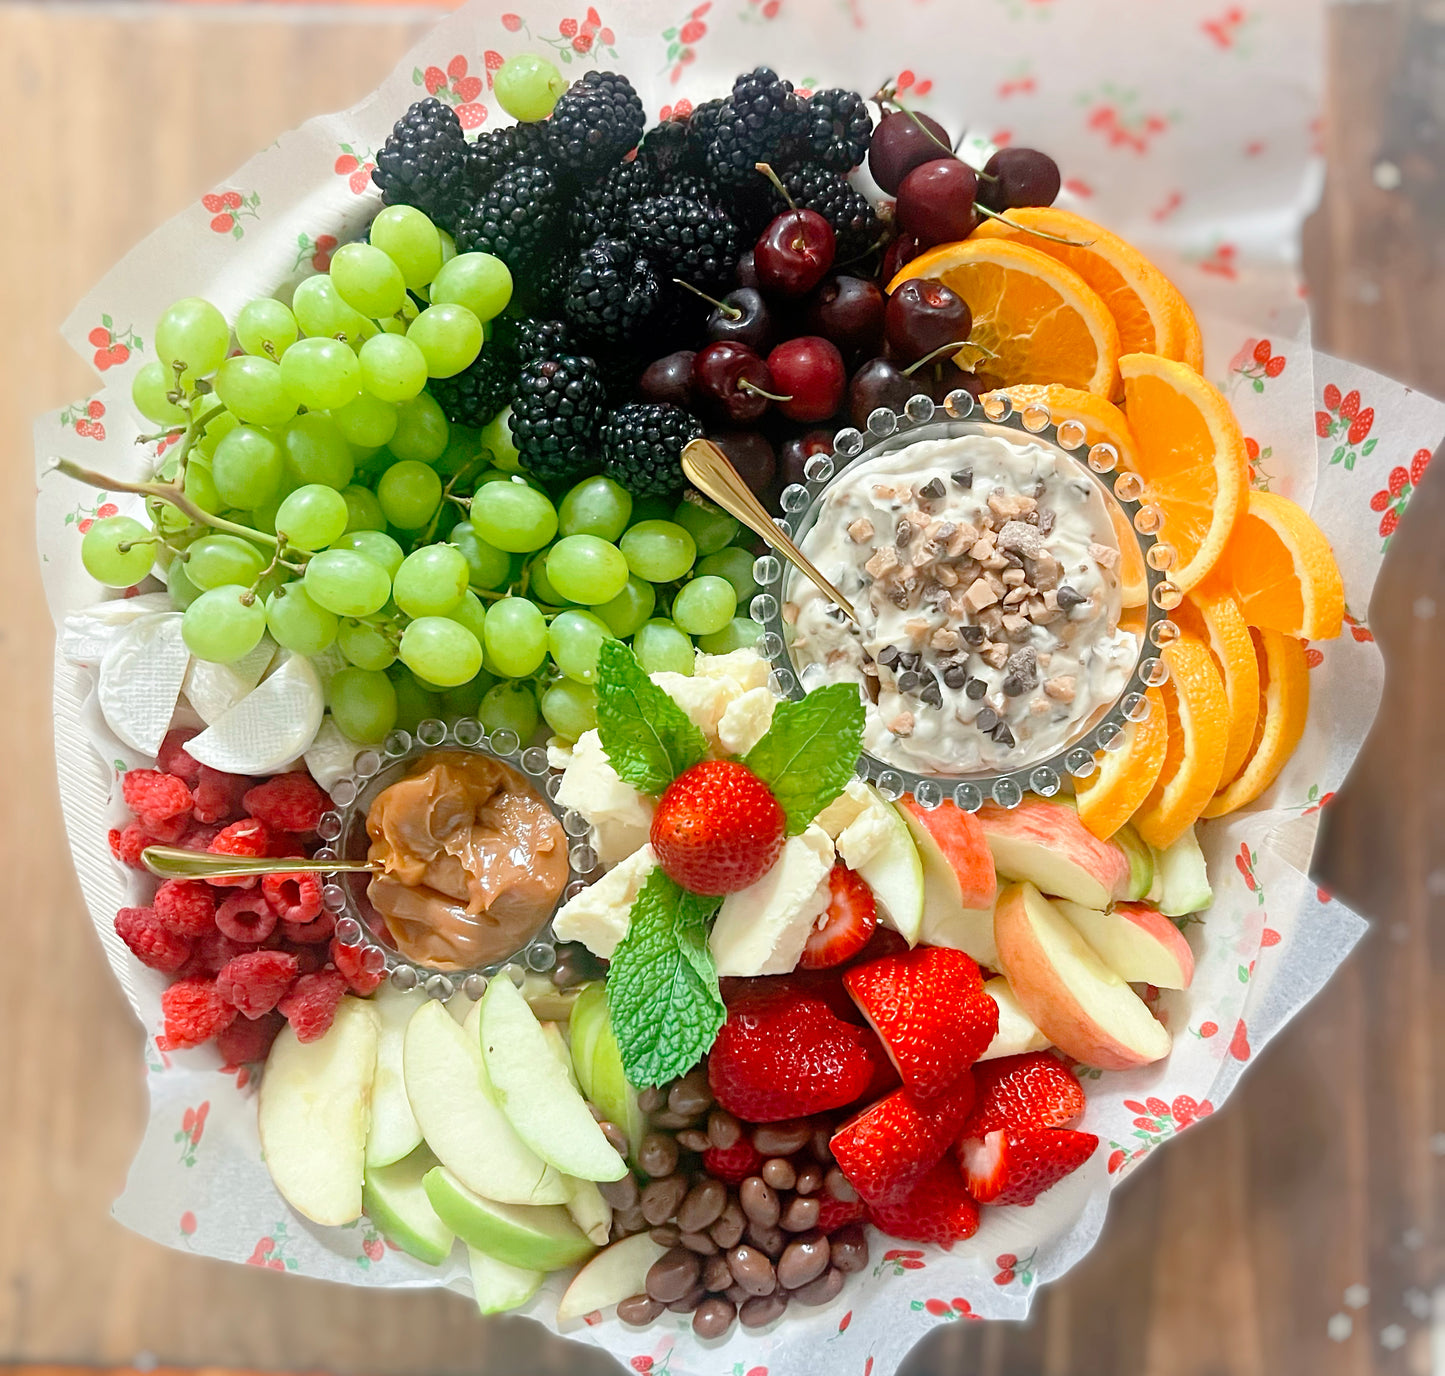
[846, 927]
[1016, 1165]
[733, 1164]
[889, 1147]
[931, 1010]
[939, 1210]
[834, 1213]
[1031, 1091]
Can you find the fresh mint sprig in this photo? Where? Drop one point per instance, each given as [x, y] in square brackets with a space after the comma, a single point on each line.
[809, 751]
[649, 740]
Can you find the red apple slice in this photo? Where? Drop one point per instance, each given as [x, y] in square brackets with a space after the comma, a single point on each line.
[1136, 942]
[1045, 844]
[959, 885]
[1073, 998]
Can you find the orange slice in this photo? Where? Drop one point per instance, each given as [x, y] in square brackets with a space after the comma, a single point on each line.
[1145, 305]
[1284, 703]
[1211, 615]
[1191, 349]
[1191, 455]
[1281, 568]
[1039, 319]
[1112, 795]
[1198, 715]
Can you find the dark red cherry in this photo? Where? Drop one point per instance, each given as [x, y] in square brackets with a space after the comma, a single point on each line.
[901, 142]
[878, 383]
[849, 311]
[794, 253]
[743, 317]
[1022, 176]
[810, 373]
[924, 315]
[793, 459]
[936, 201]
[669, 379]
[733, 380]
[750, 452]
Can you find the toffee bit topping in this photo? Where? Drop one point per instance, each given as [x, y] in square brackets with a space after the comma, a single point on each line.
[902, 724]
[1021, 538]
[980, 595]
[883, 561]
[861, 531]
[1104, 555]
[1061, 689]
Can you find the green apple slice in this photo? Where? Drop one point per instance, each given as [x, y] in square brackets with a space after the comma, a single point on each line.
[539, 1237]
[589, 1210]
[610, 1277]
[588, 1018]
[614, 1097]
[560, 1050]
[499, 1286]
[393, 1133]
[535, 1091]
[394, 1199]
[1183, 878]
[878, 844]
[460, 1118]
[1141, 862]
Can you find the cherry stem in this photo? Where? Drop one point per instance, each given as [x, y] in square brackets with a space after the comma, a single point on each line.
[745, 386]
[731, 312]
[1026, 229]
[773, 177]
[942, 349]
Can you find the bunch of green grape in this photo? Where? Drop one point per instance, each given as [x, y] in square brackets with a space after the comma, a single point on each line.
[347, 517]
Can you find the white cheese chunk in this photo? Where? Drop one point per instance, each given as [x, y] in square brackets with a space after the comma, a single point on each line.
[746, 668]
[140, 680]
[331, 755]
[703, 699]
[761, 930]
[271, 726]
[621, 817]
[600, 915]
[745, 721]
[86, 635]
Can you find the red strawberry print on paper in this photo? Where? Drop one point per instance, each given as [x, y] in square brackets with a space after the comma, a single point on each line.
[897, 1260]
[1239, 1043]
[228, 208]
[1220, 261]
[1359, 629]
[317, 251]
[1155, 1121]
[1256, 361]
[1020, 82]
[910, 82]
[112, 346]
[85, 419]
[373, 1247]
[956, 1308]
[1244, 862]
[1260, 477]
[457, 87]
[1344, 416]
[1227, 28]
[1116, 114]
[761, 9]
[355, 164]
[659, 1365]
[193, 1124]
[1207, 1030]
[576, 40]
[682, 40]
[1012, 1268]
[1394, 497]
[271, 1252]
[83, 517]
[742, 1369]
[1314, 801]
[1167, 207]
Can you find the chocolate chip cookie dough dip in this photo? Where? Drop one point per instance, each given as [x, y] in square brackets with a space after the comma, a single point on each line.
[984, 575]
[473, 861]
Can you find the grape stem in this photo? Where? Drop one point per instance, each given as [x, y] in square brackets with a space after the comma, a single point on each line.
[731, 312]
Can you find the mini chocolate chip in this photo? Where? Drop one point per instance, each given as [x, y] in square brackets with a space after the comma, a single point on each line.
[673, 1275]
[1004, 736]
[1069, 597]
[955, 676]
[907, 681]
[904, 534]
[933, 489]
[911, 660]
[639, 1310]
[713, 1317]
[1014, 686]
[761, 1310]
[964, 477]
[972, 635]
[888, 656]
[986, 720]
[932, 694]
[976, 688]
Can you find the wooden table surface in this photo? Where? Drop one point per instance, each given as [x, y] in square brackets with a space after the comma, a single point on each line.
[1319, 1176]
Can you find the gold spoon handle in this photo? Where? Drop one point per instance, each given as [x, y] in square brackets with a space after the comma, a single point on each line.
[169, 862]
[709, 471]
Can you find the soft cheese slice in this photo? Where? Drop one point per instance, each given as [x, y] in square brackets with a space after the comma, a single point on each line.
[87, 634]
[620, 816]
[213, 689]
[271, 726]
[745, 720]
[331, 756]
[746, 668]
[761, 930]
[600, 915]
[140, 680]
[704, 699]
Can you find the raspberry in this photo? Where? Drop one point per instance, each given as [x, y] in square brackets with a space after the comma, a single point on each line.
[246, 917]
[311, 933]
[149, 942]
[348, 960]
[245, 1042]
[308, 958]
[294, 898]
[289, 802]
[126, 845]
[246, 837]
[255, 983]
[311, 1003]
[194, 1012]
[155, 798]
[733, 1164]
[185, 907]
[211, 952]
[218, 795]
[173, 757]
[199, 836]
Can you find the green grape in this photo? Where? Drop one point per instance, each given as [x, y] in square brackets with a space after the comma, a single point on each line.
[660, 646]
[510, 706]
[251, 389]
[223, 624]
[710, 526]
[741, 633]
[539, 586]
[486, 567]
[466, 701]
[449, 247]
[411, 241]
[450, 336]
[527, 86]
[263, 517]
[367, 280]
[347, 583]
[431, 581]
[596, 506]
[704, 605]
[585, 569]
[247, 468]
[117, 551]
[659, 551]
[496, 439]
[376, 545]
[216, 430]
[267, 328]
[200, 487]
[414, 704]
[392, 368]
[570, 708]
[650, 509]
[215, 560]
[478, 281]
[734, 564]
[321, 374]
[516, 637]
[441, 651]
[471, 613]
[322, 313]
[513, 516]
[422, 431]
[297, 623]
[178, 583]
[150, 391]
[575, 640]
[192, 332]
[367, 422]
[316, 452]
[363, 511]
[630, 608]
[166, 518]
[363, 704]
[312, 517]
[463, 450]
[365, 645]
[409, 493]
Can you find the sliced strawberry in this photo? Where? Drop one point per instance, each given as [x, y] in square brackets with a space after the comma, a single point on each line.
[931, 1010]
[845, 928]
[1016, 1165]
[888, 1148]
[938, 1210]
[1031, 1091]
[733, 1164]
[825, 986]
[835, 1213]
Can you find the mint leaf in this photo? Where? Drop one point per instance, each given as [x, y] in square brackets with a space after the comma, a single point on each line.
[662, 984]
[648, 738]
[810, 750]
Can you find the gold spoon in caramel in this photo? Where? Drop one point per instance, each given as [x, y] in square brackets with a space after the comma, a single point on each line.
[709, 471]
[170, 862]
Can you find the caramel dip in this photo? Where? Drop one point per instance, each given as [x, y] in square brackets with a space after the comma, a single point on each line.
[473, 861]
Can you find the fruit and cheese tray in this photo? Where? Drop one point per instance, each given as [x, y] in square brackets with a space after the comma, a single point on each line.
[535, 882]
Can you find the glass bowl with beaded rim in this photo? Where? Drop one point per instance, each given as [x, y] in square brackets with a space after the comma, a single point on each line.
[1053, 769]
[343, 832]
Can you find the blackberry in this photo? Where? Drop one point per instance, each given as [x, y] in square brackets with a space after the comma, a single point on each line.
[555, 415]
[814, 187]
[477, 393]
[666, 146]
[596, 122]
[686, 238]
[516, 219]
[533, 339]
[496, 151]
[601, 210]
[837, 128]
[612, 293]
[619, 370]
[761, 122]
[424, 162]
[642, 444]
[701, 127]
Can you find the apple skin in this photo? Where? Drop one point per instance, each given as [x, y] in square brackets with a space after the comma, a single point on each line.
[1045, 844]
[1141, 862]
[1138, 943]
[1072, 997]
[959, 884]
[498, 1286]
[598, 1062]
[535, 1237]
[610, 1277]
[394, 1199]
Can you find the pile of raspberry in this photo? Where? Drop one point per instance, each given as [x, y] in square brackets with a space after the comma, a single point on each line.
[247, 954]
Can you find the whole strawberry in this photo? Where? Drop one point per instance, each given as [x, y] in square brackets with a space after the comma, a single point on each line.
[718, 828]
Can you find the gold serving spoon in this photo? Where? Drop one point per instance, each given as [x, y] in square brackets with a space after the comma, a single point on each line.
[709, 471]
[170, 862]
